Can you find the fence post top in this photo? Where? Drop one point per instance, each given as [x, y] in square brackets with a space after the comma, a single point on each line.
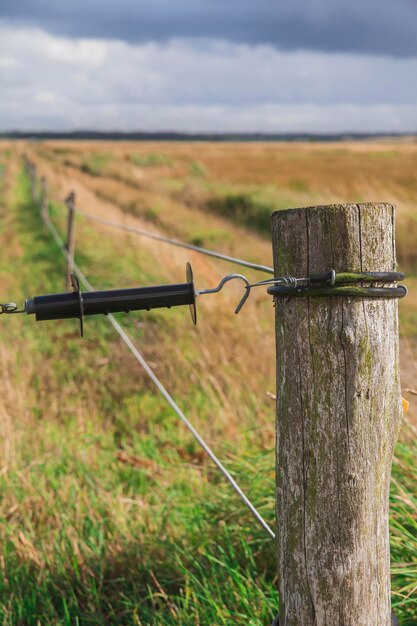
[70, 199]
[332, 208]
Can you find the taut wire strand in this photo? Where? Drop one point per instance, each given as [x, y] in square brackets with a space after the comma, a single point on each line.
[174, 242]
[139, 357]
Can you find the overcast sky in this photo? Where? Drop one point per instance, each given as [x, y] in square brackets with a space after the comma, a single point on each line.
[209, 65]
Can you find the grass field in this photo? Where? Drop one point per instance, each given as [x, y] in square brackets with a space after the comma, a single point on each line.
[110, 512]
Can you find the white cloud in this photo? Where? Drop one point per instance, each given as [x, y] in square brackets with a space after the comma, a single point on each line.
[61, 83]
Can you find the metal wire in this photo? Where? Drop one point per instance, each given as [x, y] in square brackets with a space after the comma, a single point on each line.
[175, 242]
[279, 280]
[139, 357]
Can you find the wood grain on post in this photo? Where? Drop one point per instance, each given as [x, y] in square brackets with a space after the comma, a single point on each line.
[338, 417]
[70, 202]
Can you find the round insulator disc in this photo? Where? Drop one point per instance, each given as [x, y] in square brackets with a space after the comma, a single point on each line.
[190, 279]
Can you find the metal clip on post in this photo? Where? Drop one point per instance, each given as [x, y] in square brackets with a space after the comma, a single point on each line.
[351, 284]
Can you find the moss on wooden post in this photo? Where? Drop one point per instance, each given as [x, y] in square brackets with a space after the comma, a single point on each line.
[338, 416]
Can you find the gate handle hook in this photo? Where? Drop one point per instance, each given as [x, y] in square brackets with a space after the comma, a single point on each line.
[221, 284]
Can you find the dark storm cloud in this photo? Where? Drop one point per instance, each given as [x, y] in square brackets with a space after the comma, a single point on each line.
[359, 26]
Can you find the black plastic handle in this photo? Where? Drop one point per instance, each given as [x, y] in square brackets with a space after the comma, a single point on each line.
[67, 305]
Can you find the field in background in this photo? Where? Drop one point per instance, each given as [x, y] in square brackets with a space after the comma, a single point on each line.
[191, 190]
[111, 513]
[221, 195]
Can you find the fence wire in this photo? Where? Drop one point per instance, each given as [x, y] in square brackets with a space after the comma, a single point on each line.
[140, 358]
[174, 242]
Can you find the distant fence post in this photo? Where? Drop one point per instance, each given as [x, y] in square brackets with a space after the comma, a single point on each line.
[33, 179]
[26, 162]
[31, 172]
[70, 245]
[338, 417]
[44, 199]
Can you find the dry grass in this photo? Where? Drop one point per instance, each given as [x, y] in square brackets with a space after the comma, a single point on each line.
[98, 475]
[173, 194]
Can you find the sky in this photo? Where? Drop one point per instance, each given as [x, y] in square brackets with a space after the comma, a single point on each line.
[317, 66]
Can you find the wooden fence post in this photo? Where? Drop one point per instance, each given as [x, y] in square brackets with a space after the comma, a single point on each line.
[338, 417]
[26, 163]
[44, 199]
[30, 168]
[70, 246]
[33, 179]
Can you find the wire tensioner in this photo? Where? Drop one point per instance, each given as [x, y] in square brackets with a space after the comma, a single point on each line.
[78, 304]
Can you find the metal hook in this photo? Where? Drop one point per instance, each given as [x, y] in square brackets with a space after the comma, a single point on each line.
[225, 280]
[10, 308]
[76, 288]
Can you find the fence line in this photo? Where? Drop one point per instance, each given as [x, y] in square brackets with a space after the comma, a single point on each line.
[140, 358]
[175, 242]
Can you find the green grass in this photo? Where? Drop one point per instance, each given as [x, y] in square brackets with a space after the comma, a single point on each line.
[151, 159]
[196, 168]
[244, 209]
[95, 163]
[110, 515]
[403, 528]
[87, 536]
[250, 207]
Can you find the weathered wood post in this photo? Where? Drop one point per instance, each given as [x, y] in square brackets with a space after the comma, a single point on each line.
[30, 168]
[70, 203]
[338, 417]
[33, 179]
[26, 164]
[44, 199]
